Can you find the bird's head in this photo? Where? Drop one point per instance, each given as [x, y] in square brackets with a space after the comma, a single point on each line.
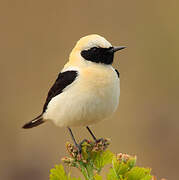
[94, 48]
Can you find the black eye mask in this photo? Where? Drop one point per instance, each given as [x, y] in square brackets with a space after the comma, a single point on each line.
[98, 55]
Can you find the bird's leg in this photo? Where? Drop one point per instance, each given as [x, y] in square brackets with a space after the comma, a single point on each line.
[94, 137]
[79, 146]
[73, 138]
[91, 133]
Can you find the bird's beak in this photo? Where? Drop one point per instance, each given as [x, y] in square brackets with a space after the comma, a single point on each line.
[117, 48]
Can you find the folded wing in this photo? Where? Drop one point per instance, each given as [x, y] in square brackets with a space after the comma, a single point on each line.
[64, 79]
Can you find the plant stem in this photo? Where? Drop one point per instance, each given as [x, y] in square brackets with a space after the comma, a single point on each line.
[83, 170]
[89, 169]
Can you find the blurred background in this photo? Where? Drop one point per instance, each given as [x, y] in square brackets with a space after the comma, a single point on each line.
[36, 38]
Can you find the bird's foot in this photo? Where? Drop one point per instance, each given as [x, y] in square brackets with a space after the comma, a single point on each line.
[101, 144]
[86, 146]
[97, 145]
[79, 146]
[100, 140]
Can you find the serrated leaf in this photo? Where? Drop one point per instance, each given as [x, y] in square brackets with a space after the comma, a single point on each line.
[103, 158]
[131, 162]
[123, 169]
[112, 175]
[147, 177]
[120, 168]
[138, 173]
[97, 177]
[58, 173]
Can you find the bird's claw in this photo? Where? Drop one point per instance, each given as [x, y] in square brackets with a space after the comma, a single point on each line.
[98, 144]
[100, 140]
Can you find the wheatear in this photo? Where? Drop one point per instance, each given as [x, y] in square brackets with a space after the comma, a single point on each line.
[87, 89]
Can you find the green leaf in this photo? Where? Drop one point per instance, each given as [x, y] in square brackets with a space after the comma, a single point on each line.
[131, 162]
[138, 173]
[120, 168]
[112, 175]
[97, 177]
[103, 158]
[147, 177]
[85, 149]
[58, 173]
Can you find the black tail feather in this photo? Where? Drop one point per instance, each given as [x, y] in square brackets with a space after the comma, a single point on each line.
[35, 122]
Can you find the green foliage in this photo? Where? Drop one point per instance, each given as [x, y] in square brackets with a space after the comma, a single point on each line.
[58, 173]
[121, 165]
[138, 173]
[102, 158]
[97, 177]
[93, 158]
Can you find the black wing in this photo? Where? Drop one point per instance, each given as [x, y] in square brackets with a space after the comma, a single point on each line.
[118, 74]
[63, 80]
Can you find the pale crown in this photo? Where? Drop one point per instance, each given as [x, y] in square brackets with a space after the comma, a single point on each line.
[91, 41]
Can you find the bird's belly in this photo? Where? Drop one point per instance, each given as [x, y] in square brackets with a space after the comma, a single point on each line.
[81, 105]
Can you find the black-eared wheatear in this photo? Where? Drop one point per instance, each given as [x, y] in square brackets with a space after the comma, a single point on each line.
[87, 89]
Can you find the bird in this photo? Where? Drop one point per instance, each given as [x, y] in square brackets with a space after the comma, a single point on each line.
[87, 89]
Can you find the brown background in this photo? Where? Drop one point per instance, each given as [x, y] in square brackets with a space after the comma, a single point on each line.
[36, 38]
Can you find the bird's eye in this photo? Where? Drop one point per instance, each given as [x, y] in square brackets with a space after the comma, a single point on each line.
[94, 48]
